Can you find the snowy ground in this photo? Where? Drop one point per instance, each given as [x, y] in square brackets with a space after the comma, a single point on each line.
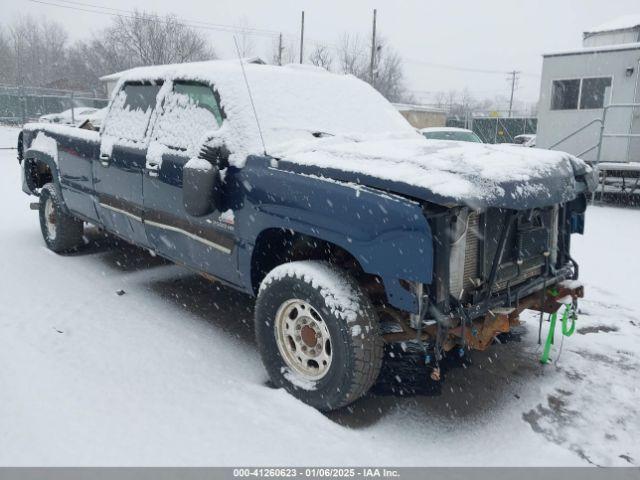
[167, 374]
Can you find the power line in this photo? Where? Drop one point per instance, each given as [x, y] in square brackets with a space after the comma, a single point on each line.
[113, 12]
[453, 67]
[233, 28]
[477, 93]
[463, 69]
[210, 25]
[252, 31]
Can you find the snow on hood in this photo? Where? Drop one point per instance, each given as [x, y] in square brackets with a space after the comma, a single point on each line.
[451, 172]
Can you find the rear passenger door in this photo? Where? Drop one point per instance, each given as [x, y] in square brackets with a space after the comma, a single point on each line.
[190, 112]
[118, 172]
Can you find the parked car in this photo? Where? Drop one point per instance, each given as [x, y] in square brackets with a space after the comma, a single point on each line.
[364, 245]
[67, 117]
[450, 133]
[93, 121]
[526, 140]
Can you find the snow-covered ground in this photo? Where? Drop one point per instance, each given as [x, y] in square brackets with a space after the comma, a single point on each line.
[167, 373]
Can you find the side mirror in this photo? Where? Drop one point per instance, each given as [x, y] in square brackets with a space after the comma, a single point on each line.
[201, 187]
[217, 155]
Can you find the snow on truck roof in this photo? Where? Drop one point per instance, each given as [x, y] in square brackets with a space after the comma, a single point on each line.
[291, 102]
[359, 131]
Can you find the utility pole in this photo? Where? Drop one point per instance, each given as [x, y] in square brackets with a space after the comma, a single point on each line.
[373, 51]
[280, 50]
[73, 117]
[22, 96]
[514, 75]
[302, 38]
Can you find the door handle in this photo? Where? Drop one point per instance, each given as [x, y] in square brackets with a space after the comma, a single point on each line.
[152, 169]
[105, 158]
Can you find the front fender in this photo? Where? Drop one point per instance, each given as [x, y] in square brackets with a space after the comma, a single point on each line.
[387, 234]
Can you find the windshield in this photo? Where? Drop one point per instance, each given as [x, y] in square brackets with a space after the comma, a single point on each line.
[295, 104]
[458, 136]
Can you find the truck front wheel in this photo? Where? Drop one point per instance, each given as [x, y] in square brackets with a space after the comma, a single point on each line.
[318, 334]
[61, 231]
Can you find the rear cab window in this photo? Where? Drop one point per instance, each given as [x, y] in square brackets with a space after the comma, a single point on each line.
[189, 111]
[130, 113]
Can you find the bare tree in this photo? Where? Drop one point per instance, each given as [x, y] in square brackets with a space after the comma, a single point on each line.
[321, 56]
[440, 99]
[467, 101]
[246, 44]
[352, 57]
[389, 76]
[153, 40]
[451, 99]
[34, 52]
[290, 49]
[142, 39]
[463, 102]
[7, 58]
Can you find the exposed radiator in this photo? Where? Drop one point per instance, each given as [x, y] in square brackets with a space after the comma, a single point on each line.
[473, 269]
[464, 253]
[471, 252]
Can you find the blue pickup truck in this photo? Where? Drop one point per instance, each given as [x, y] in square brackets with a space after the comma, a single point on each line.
[307, 190]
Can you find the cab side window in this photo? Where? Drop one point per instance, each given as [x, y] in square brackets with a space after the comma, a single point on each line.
[132, 107]
[189, 111]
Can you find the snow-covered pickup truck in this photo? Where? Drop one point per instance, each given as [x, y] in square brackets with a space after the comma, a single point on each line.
[309, 191]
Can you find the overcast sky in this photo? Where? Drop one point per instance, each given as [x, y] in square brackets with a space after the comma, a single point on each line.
[497, 35]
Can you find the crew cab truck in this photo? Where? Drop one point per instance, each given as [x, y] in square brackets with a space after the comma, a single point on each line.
[310, 192]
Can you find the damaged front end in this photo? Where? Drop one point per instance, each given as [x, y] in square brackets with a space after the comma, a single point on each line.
[490, 264]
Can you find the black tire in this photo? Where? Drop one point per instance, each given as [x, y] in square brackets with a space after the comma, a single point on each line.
[356, 345]
[61, 231]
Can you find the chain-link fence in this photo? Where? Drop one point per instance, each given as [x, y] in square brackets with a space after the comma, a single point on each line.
[496, 129]
[20, 104]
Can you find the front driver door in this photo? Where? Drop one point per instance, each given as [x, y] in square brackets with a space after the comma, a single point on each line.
[117, 175]
[189, 112]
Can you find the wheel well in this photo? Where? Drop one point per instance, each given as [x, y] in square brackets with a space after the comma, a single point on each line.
[37, 173]
[277, 246]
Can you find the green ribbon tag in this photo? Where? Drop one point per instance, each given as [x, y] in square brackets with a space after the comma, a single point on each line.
[567, 330]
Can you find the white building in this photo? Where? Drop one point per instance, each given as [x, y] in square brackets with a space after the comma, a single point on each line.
[422, 116]
[577, 85]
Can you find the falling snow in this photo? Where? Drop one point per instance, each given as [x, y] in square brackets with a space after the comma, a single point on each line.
[168, 374]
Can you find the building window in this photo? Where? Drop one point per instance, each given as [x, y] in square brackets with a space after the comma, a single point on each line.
[565, 94]
[594, 92]
[583, 94]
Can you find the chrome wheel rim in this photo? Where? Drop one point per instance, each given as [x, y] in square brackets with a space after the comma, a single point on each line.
[50, 219]
[303, 339]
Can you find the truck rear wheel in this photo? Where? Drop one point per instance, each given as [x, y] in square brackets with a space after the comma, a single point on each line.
[61, 231]
[318, 334]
